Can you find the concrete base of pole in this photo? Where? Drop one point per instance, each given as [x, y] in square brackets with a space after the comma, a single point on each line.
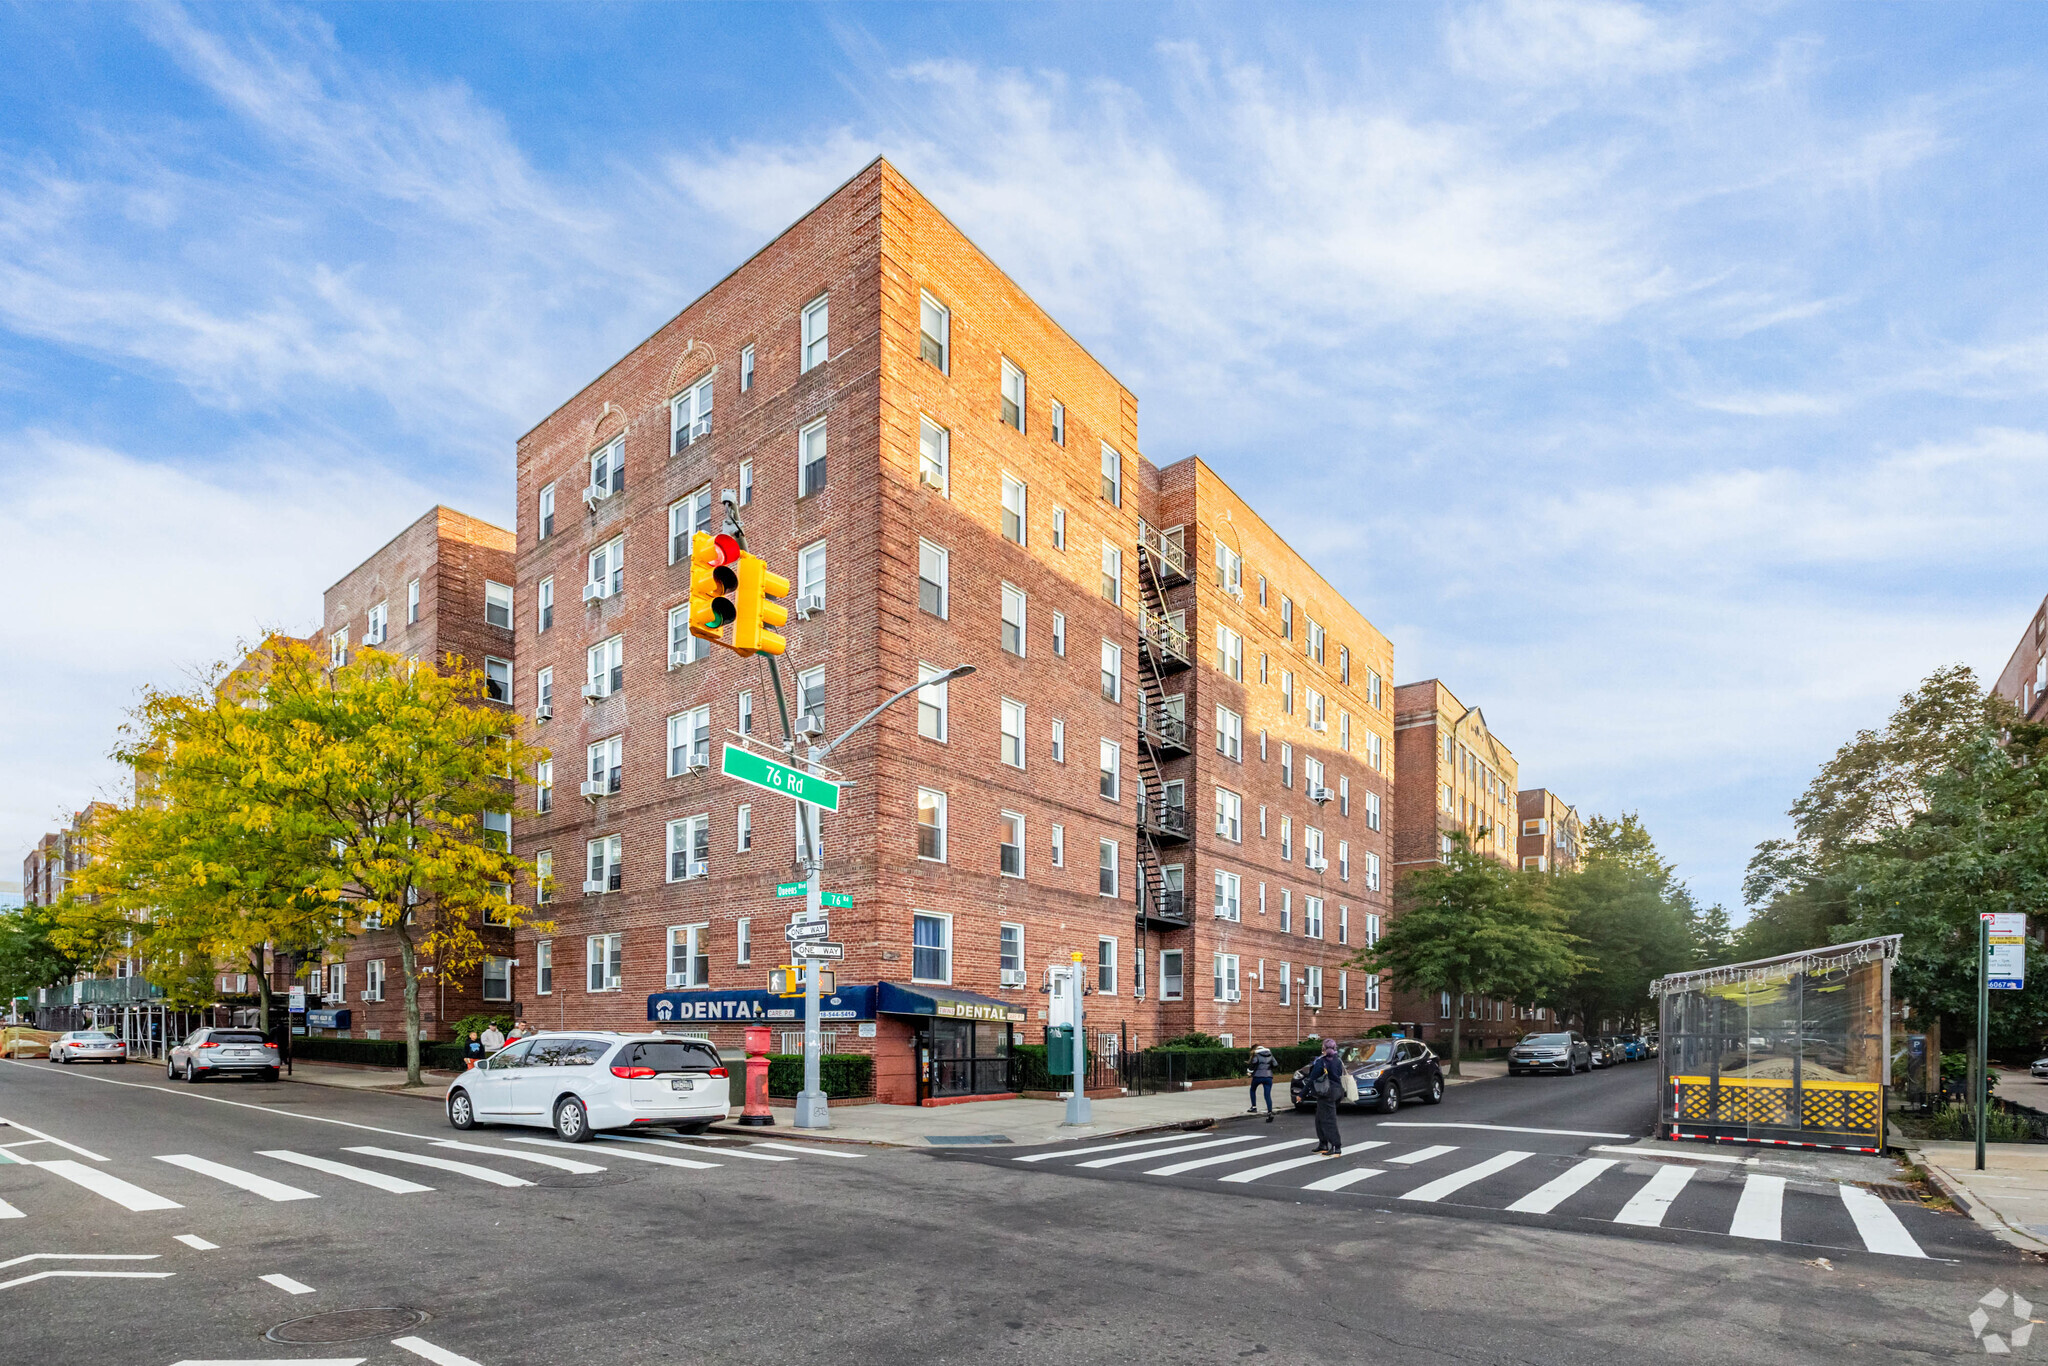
[757, 1121]
[1077, 1108]
[812, 1110]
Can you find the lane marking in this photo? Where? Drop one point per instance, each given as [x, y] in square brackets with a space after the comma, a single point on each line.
[45, 1138]
[1421, 1155]
[235, 1176]
[1562, 1187]
[1493, 1128]
[199, 1095]
[1684, 1157]
[1878, 1225]
[1286, 1164]
[79, 1257]
[281, 1361]
[1176, 1168]
[1343, 1179]
[626, 1154]
[1760, 1213]
[693, 1147]
[82, 1275]
[440, 1356]
[444, 1164]
[567, 1164]
[813, 1150]
[286, 1283]
[8, 1211]
[1180, 1137]
[1162, 1152]
[397, 1185]
[1457, 1181]
[1648, 1206]
[193, 1240]
[16, 1159]
[106, 1184]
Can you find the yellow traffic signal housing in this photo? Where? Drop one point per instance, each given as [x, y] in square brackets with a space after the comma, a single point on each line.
[714, 581]
[789, 981]
[758, 612]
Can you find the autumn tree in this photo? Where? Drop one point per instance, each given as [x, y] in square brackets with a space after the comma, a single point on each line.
[1634, 920]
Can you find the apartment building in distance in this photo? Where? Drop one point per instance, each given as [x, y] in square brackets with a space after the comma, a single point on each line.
[946, 477]
[441, 589]
[1552, 839]
[2024, 681]
[57, 855]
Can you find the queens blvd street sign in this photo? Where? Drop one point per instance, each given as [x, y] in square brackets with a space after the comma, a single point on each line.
[753, 768]
[817, 948]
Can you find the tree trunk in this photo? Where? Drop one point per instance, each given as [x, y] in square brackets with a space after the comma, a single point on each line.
[262, 990]
[408, 962]
[1457, 1028]
[1933, 1078]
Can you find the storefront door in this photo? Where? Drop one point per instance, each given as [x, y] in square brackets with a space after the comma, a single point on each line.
[968, 1058]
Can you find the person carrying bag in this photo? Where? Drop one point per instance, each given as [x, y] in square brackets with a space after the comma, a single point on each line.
[1326, 1082]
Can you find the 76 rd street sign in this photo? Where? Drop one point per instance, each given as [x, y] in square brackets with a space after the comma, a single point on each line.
[764, 772]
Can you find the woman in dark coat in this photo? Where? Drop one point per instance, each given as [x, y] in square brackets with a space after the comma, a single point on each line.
[1325, 1078]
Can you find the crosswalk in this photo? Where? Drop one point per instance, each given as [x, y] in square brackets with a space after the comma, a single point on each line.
[1766, 1208]
[388, 1167]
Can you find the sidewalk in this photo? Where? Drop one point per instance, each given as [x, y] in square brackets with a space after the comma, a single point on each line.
[2009, 1198]
[388, 1080]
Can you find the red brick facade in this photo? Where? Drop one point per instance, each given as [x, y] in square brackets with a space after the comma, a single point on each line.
[2024, 681]
[1551, 837]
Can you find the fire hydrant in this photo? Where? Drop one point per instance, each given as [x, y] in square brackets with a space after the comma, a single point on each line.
[755, 1111]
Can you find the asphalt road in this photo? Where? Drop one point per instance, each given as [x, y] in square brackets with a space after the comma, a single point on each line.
[897, 1257]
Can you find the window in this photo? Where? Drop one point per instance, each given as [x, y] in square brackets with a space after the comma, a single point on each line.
[1317, 717]
[412, 587]
[746, 720]
[1229, 815]
[1013, 620]
[1059, 742]
[1372, 687]
[1343, 924]
[744, 837]
[810, 447]
[1372, 751]
[686, 517]
[1229, 734]
[1059, 634]
[810, 575]
[1229, 569]
[608, 469]
[1112, 573]
[373, 980]
[545, 617]
[1105, 877]
[931, 947]
[810, 696]
[1227, 887]
[1372, 872]
[377, 628]
[689, 959]
[1286, 765]
[498, 679]
[1372, 991]
[1344, 796]
[1059, 845]
[1013, 396]
[1225, 976]
[1105, 966]
[934, 333]
[544, 876]
[1343, 990]
[607, 667]
[1112, 672]
[498, 830]
[1230, 653]
[816, 327]
[1534, 827]
[1111, 759]
[1312, 991]
[607, 569]
[1372, 929]
[1344, 664]
[1344, 860]
[1264, 677]
[604, 767]
[544, 783]
[1286, 911]
[1287, 839]
[1112, 476]
[1013, 733]
[1010, 953]
[1015, 520]
[1312, 916]
[1059, 423]
[604, 956]
[931, 825]
[1286, 984]
[1262, 590]
[1262, 820]
[934, 460]
[337, 649]
[1010, 826]
[746, 482]
[1169, 974]
[1059, 528]
[1287, 691]
[689, 416]
[746, 369]
[605, 869]
[931, 704]
[1443, 1004]
[931, 579]
[1344, 731]
[1315, 639]
[1286, 617]
[689, 741]
[547, 529]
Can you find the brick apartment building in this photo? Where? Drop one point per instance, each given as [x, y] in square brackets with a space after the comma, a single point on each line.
[2024, 681]
[56, 856]
[1552, 839]
[947, 478]
[440, 589]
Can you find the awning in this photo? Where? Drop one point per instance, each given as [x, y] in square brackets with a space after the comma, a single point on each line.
[943, 1002]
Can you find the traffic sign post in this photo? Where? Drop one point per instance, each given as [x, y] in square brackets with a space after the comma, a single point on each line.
[1077, 1099]
[2001, 966]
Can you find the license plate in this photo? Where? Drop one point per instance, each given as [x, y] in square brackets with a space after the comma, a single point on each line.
[683, 1083]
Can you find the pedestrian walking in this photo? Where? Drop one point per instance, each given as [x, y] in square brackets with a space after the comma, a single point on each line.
[493, 1039]
[1326, 1082]
[519, 1031]
[1262, 1075]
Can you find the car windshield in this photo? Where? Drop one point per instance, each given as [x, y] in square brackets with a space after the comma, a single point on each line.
[1362, 1054]
[236, 1036]
[1553, 1040]
[90, 1037]
[672, 1055]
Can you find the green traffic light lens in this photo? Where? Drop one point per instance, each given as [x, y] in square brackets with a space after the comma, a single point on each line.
[722, 614]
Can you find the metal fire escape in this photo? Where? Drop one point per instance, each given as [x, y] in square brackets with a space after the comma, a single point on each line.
[1164, 651]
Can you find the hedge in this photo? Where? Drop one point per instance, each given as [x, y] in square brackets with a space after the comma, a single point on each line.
[844, 1076]
[377, 1052]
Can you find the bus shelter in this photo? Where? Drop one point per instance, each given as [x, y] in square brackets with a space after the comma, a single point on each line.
[1791, 1051]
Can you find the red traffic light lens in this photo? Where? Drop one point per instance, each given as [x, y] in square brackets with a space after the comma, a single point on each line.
[728, 549]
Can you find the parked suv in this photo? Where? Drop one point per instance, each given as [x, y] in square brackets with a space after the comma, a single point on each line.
[1565, 1052]
[222, 1052]
[582, 1082]
[1385, 1072]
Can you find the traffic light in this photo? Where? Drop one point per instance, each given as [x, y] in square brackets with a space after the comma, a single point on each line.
[713, 583]
[789, 981]
[758, 610]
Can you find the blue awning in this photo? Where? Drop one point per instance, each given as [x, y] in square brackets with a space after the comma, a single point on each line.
[943, 1003]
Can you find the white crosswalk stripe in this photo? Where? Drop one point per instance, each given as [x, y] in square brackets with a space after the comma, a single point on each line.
[8, 1211]
[810, 1150]
[627, 1154]
[694, 1147]
[1162, 1152]
[1343, 1179]
[446, 1164]
[1154, 1141]
[1879, 1228]
[1648, 1206]
[565, 1164]
[1193, 1163]
[1559, 1189]
[1458, 1180]
[235, 1176]
[123, 1193]
[1287, 1164]
[1423, 1154]
[397, 1185]
[1760, 1213]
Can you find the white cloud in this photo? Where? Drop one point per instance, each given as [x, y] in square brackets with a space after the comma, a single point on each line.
[1545, 42]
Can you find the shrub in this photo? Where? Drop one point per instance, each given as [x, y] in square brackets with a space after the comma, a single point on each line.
[377, 1052]
[1195, 1039]
[841, 1075]
[477, 1024]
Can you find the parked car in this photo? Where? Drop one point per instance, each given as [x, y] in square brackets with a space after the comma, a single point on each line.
[1386, 1072]
[87, 1045]
[2040, 1069]
[585, 1082]
[1631, 1048]
[1603, 1054]
[1565, 1052]
[214, 1052]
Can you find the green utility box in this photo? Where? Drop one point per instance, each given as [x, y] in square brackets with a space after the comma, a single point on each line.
[1059, 1050]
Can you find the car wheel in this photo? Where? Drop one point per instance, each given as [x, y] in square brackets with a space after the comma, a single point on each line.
[191, 1073]
[170, 1070]
[270, 1074]
[1390, 1100]
[1435, 1094]
[572, 1121]
[461, 1112]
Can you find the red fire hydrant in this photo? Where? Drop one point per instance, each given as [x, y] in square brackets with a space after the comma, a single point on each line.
[755, 1111]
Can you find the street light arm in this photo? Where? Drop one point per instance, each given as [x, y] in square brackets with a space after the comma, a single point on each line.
[961, 672]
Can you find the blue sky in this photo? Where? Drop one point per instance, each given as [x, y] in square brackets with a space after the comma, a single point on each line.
[1670, 381]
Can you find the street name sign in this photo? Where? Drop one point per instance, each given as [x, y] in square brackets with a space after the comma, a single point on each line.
[2006, 965]
[842, 900]
[817, 929]
[817, 948]
[764, 772]
[791, 888]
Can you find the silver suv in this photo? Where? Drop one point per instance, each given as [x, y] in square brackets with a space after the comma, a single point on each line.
[221, 1052]
[1564, 1051]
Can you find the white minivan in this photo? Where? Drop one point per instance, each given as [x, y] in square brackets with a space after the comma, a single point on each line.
[584, 1081]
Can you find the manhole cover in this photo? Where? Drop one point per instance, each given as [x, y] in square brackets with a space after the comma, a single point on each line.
[1888, 1191]
[574, 1179]
[347, 1325]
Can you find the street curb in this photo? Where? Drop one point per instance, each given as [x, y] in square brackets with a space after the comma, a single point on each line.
[1980, 1214]
[421, 1094]
[812, 1136]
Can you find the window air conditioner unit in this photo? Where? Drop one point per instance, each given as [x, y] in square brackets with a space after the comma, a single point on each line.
[1318, 793]
[1318, 724]
[1234, 997]
[677, 658]
[593, 591]
[809, 725]
[1236, 590]
[700, 429]
[1013, 977]
[808, 604]
[591, 692]
[696, 765]
[1315, 864]
[593, 886]
[544, 712]
[596, 494]
[699, 869]
[593, 787]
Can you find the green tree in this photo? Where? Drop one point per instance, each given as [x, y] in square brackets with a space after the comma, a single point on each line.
[1471, 926]
[1635, 921]
[30, 957]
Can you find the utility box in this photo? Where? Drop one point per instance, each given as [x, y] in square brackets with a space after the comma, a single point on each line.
[1059, 1050]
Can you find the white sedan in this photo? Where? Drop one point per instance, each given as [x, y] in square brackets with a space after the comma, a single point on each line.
[579, 1083]
[87, 1045]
